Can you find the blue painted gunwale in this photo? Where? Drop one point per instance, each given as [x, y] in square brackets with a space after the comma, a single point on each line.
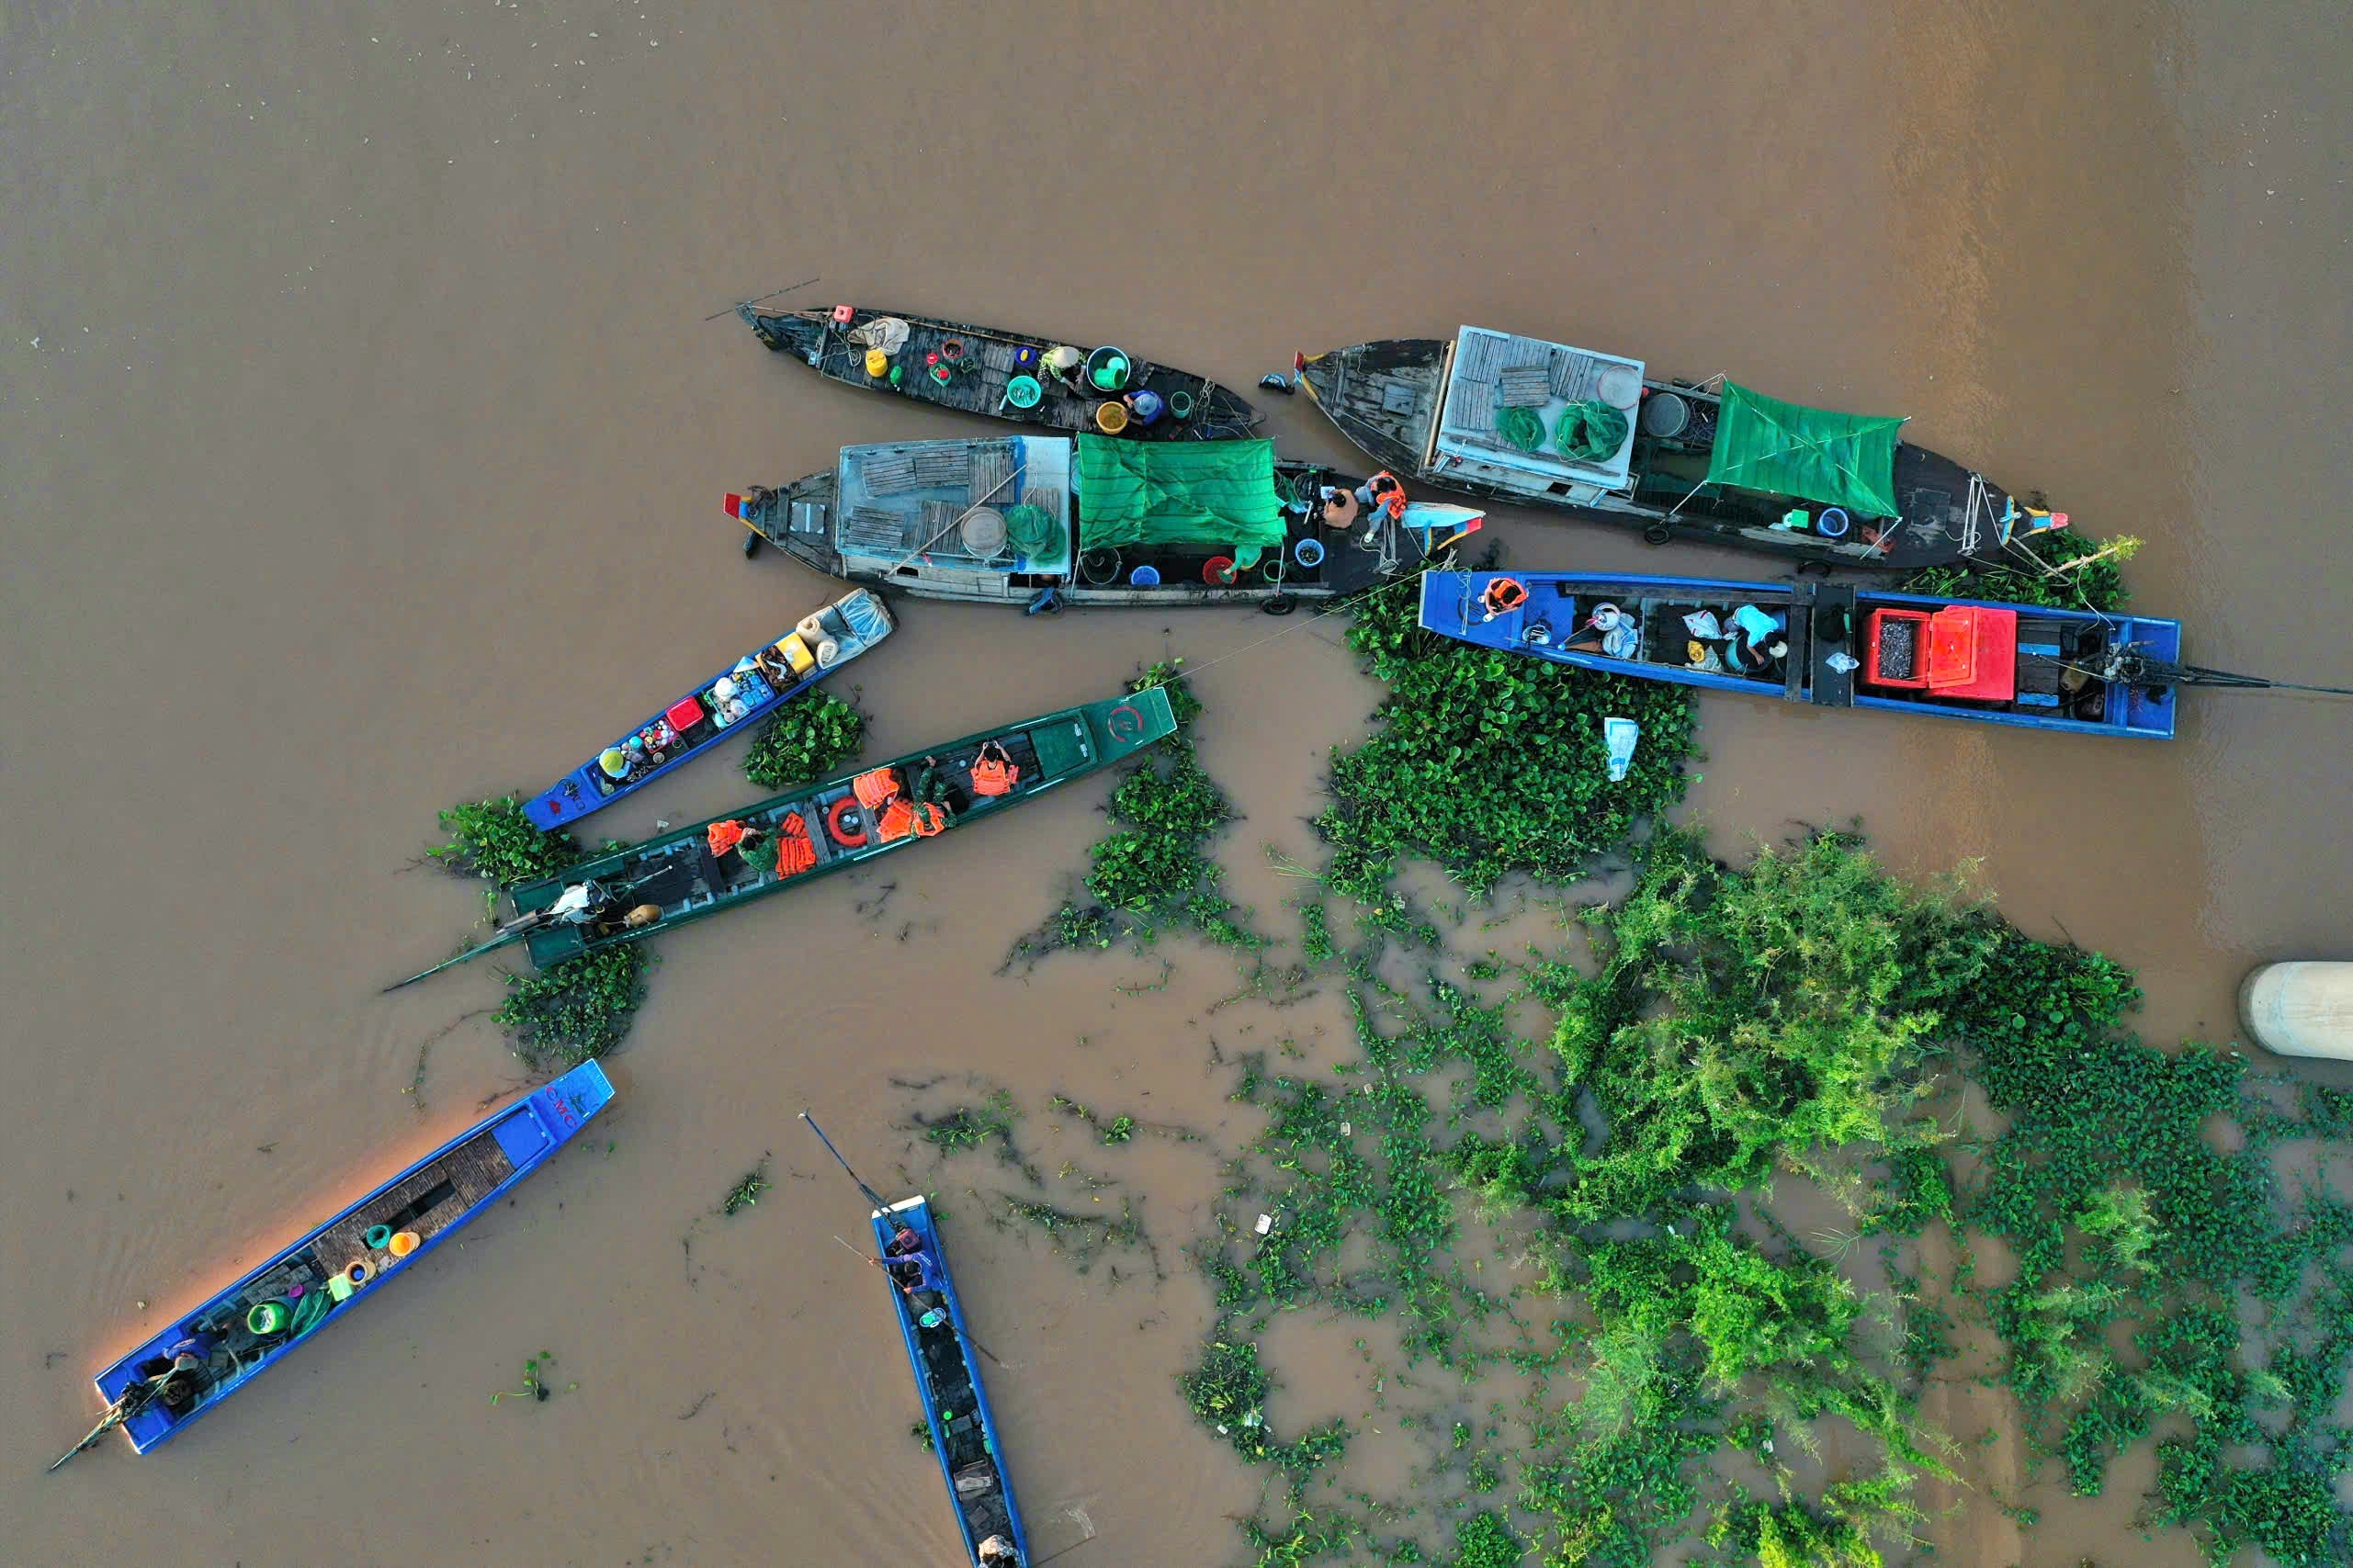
[559, 1109]
[580, 792]
[916, 1215]
[1445, 596]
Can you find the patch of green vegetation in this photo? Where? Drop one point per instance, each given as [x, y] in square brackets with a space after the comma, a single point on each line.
[808, 739]
[534, 1385]
[1080, 1237]
[580, 1008]
[747, 1190]
[1111, 1130]
[493, 840]
[971, 1126]
[2063, 569]
[1153, 869]
[1487, 764]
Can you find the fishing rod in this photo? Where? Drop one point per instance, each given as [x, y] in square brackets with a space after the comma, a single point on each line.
[871, 1196]
[731, 310]
[903, 1291]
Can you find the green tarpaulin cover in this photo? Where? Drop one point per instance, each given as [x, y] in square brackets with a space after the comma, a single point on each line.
[1219, 493]
[1839, 459]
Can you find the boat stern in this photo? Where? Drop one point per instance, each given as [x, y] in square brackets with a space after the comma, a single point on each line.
[1119, 728]
[1383, 395]
[797, 518]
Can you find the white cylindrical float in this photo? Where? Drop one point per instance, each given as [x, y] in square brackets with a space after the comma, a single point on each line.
[2301, 1009]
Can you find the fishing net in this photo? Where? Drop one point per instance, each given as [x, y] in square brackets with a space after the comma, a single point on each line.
[1589, 431]
[1523, 428]
[1032, 531]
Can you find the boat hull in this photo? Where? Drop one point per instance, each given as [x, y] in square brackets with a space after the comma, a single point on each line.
[1560, 605]
[678, 875]
[482, 1166]
[1386, 396]
[857, 621]
[802, 519]
[986, 1513]
[820, 342]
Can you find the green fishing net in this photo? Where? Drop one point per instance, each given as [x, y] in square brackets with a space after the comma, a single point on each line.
[1031, 531]
[1589, 431]
[1524, 428]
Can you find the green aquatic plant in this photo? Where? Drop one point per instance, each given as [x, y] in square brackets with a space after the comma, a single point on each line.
[1487, 764]
[575, 1010]
[534, 1385]
[493, 840]
[747, 1190]
[808, 739]
[2062, 570]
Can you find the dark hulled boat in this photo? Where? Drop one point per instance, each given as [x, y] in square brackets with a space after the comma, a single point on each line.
[1519, 419]
[947, 1378]
[207, 1355]
[1043, 521]
[815, 830]
[1830, 645]
[986, 371]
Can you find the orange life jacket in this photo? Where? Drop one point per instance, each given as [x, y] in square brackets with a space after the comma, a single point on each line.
[903, 817]
[1504, 594]
[993, 771]
[1388, 494]
[876, 788]
[725, 836]
[795, 854]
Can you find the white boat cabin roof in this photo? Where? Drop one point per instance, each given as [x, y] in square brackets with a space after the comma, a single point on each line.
[943, 503]
[1490, 371]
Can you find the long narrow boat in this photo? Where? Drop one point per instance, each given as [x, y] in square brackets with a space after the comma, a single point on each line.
[693, 873]
[1830, 645]
[1521, 418]
[1043, 521]
[205, 1356]
[986, 371]
[947, 1378]
[762, 681]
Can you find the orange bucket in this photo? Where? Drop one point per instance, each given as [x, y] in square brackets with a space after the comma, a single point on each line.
[404, 1243]
[1111, 418]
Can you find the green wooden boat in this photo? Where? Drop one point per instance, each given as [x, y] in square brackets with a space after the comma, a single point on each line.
[692, 873]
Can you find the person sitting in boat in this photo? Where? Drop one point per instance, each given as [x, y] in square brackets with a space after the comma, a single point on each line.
[1063, 366]
[1754, 643]
[1144, 405]
[1611, 632]
[997, 1553]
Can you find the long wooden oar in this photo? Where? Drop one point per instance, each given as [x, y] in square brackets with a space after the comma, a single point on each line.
[731, 310]
[871, 1196]
[447, 963]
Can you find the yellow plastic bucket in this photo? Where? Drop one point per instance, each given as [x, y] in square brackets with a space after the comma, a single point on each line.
[1111, 418]
[404, 1243]
[877, 364]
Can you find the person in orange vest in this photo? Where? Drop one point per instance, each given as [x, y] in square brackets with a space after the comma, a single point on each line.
[994, 772]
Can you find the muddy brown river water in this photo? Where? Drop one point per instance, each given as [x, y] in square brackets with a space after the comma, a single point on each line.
[361, 443]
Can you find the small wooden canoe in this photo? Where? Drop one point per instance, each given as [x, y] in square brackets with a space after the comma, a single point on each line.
[754, 686]
[986, 371]
[681, 876]
[1717, 463]
[1097, 523]
[205, 1356]
[1829, 645]
[941, 1352]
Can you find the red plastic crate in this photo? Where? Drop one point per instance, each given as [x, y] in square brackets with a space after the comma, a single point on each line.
[1917, 680]
[684, 714]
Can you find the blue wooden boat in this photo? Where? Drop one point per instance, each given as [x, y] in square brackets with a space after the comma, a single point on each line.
[947, 1378]
[755, 684]
[1831, 645]
[155, 1392]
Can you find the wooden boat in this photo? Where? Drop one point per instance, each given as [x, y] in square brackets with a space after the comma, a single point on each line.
[1731, 467]
[954, 365]
[756, 684]
[689, 875]
[1840, 645]
[948, 1378]
[1043, 521]
[205, 1356]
